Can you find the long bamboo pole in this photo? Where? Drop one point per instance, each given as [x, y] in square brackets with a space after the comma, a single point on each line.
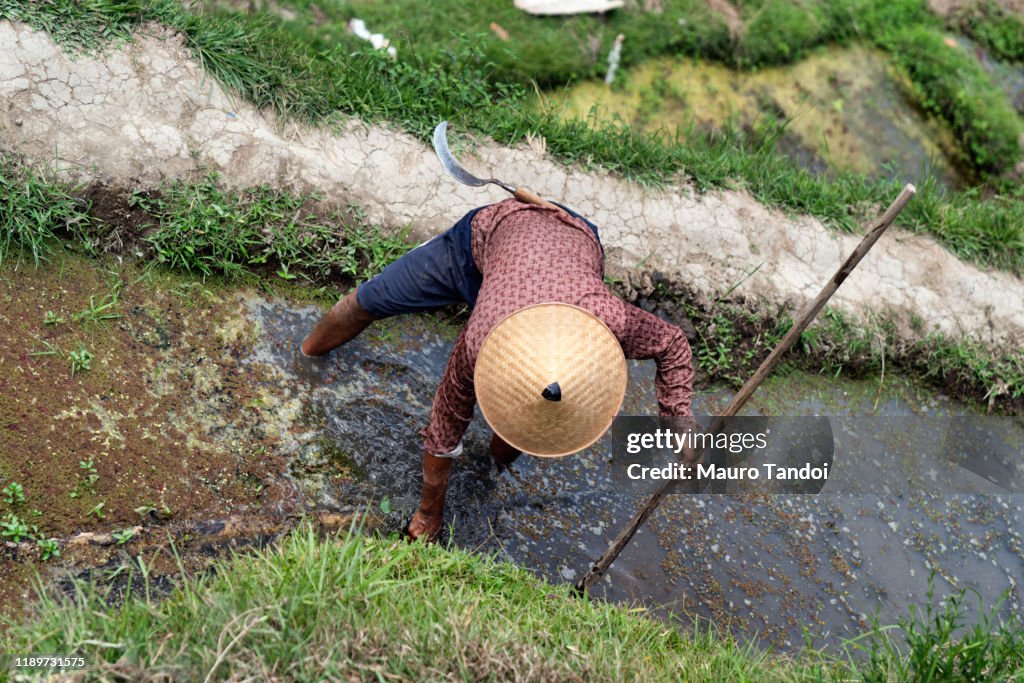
[803, 320]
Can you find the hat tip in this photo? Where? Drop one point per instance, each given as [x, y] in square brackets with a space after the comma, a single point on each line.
[552, 392]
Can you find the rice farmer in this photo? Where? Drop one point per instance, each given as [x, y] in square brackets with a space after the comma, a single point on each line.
[545, 346]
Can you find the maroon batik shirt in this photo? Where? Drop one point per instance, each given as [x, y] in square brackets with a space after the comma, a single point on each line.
[530, 255]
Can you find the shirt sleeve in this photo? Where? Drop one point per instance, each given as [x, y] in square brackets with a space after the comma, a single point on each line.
[648, 336]
[453, 403]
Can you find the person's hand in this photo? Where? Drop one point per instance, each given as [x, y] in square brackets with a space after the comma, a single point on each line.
[424, 526]
[502, 453]
[426, 523]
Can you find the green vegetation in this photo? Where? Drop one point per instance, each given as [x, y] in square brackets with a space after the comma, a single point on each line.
[780, 31]
[938, 647]
[1001, 32]
[81, 359]
[49, 548]
[14, 529]
[312, 72]
[123, 536]
[359, 608]
[198, 228]
[203, 229]
[554, 51]
[14, 493]
[32, 210]
[951, 83]
[51, 319]
[87, 475]
[98, 311]
[732, 342]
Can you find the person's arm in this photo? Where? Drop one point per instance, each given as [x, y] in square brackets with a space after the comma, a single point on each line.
[449, 417]
[648, 336]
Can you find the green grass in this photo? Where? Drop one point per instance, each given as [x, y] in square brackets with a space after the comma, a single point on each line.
[1001, 32]
[293, 68]
[363, 608]
[204, 229]
[952, 84]
[33, 210]
[197, 227]
[376, 609]
[554, 51]
[732, 341]
[935, 644]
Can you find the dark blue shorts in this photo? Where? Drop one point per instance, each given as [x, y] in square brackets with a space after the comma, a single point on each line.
[437, 273]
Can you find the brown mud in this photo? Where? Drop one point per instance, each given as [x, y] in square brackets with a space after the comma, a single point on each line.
[164, 425]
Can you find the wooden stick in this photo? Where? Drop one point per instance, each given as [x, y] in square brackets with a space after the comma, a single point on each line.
[803, 320]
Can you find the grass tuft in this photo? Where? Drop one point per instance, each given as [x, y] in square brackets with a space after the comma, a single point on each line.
[952, 84]
[33, 211]
[358, 608]
[205, 230]
[1000, 31]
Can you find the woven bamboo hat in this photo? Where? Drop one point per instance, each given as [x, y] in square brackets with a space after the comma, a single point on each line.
[550, 378]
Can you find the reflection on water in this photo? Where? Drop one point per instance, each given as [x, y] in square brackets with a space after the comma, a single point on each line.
[763, 566]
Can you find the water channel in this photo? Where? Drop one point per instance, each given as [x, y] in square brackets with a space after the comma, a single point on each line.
[765, 567]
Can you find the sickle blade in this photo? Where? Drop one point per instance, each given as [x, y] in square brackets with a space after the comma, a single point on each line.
[448, 161]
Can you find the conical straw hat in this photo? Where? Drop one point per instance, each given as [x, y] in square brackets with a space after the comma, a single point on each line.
[550, 378]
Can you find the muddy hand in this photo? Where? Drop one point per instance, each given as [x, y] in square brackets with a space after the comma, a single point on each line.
[502, 453]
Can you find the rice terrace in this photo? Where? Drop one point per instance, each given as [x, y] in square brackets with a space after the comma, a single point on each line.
[331, 330]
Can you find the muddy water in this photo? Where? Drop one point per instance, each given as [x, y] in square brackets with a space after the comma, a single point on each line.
[846, 110]
[764, 567]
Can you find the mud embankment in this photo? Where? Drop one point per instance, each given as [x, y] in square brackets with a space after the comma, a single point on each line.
[140, 114]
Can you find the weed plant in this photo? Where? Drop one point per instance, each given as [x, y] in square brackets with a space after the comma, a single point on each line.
[33, 209]
[1001, 32]
[81, 359]
[205, 230]
[935, 644]
[951, 83]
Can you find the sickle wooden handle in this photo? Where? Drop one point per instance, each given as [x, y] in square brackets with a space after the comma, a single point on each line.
[527, 197]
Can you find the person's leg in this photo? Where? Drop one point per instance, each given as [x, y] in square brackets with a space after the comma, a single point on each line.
[503, 453]
[343, 322]
[434, 274]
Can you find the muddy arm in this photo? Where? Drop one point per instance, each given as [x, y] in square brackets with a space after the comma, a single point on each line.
[427, 521]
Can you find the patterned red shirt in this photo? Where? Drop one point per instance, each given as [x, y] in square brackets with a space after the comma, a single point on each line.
[529, 255]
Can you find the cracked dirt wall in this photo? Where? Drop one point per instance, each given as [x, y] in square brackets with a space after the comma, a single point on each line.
[145, 112]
